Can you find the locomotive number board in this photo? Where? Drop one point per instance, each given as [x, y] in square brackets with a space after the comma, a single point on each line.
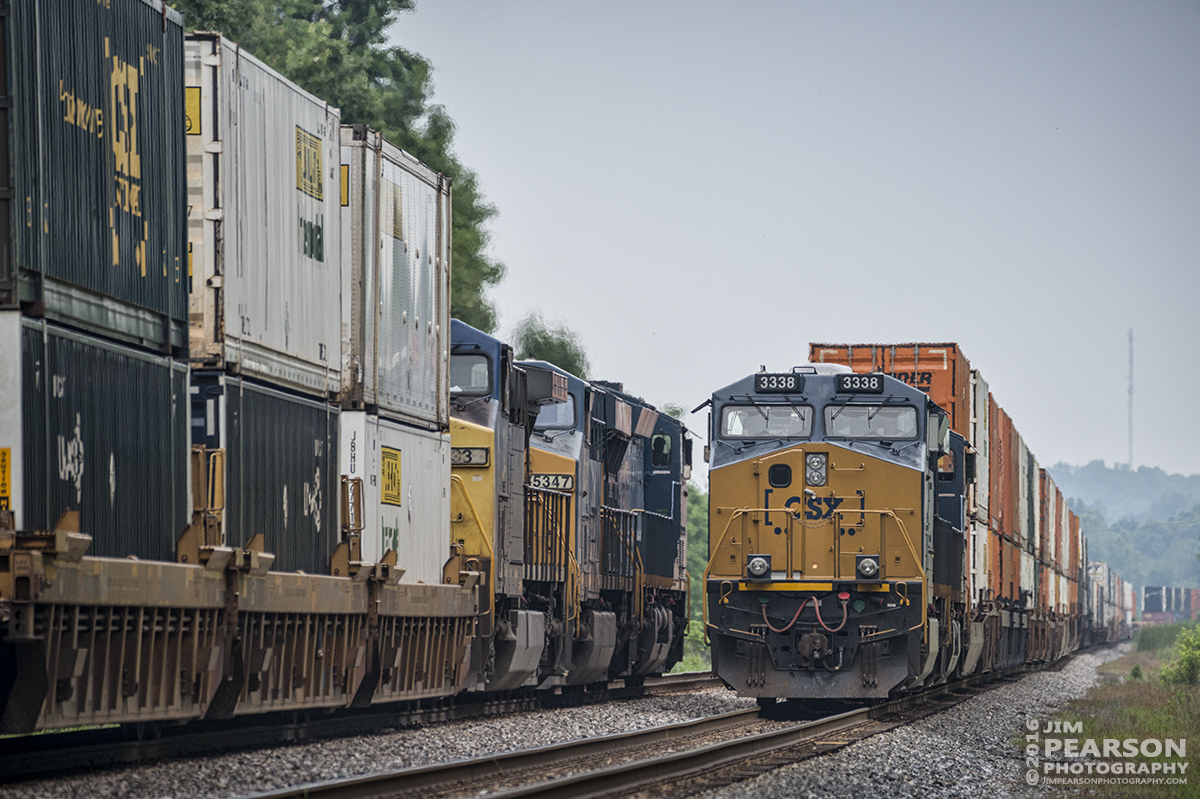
[554, 482]
[860, 384]
[787, 383]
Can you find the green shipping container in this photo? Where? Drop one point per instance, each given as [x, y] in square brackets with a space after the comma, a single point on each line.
[93, 224]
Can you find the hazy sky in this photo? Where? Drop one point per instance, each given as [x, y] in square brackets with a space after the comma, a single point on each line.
[699, 188]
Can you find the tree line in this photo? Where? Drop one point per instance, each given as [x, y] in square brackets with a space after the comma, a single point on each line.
[338, 50]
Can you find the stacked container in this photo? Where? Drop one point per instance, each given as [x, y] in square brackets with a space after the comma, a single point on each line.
[394, 349]
[92, 253]
[263, 224]
[265, 307]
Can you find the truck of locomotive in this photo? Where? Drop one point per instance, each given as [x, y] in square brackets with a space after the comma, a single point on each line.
[567, 508]
[836, 537]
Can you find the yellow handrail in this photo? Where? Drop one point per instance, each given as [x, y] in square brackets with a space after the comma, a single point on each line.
[491, 587]
[837, 565]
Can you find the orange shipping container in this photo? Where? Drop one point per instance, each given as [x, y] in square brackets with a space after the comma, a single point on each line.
[940, 370]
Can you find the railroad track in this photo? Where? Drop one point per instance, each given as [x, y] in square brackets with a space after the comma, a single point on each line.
[705, 753]
[57, 753]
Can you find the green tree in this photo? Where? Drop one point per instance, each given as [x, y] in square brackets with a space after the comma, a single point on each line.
[556, 344]
[338, 51]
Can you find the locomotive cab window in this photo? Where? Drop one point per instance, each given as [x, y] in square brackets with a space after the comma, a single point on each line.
[470, 373]
[881, 422]
[660, 452]
[766, 421]
[557, 416]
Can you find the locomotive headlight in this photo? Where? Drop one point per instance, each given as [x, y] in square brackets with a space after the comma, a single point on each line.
[759, 566]
[868, 567]
[815, 470]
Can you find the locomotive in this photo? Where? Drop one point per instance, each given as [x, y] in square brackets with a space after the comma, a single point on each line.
[877, 526]
[567, 506]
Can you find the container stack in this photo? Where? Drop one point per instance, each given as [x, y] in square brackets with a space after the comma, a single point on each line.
[1026, 555]
[93, 284]
[394, 426]
[265, 308]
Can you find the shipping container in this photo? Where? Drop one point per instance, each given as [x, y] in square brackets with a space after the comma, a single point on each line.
[404, 474]
[981, 442]
[1048, 511]
[940, 370]
[264, 221]
[980, 562]
[90, 426]
[281, 478]
[1029, 575]
[1027, 496]
[92, 228]
[396, 281]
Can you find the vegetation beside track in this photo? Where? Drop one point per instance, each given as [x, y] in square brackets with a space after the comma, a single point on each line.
[1149, 693]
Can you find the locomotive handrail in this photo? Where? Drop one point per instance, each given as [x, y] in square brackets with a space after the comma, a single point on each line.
[882, 549]
[708, 567]
[574, 573]
[462, 487]
[837, 559]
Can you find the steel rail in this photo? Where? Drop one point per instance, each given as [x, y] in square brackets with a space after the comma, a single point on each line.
[377, 786]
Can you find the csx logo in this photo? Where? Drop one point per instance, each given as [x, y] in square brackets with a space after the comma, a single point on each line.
[815, 508]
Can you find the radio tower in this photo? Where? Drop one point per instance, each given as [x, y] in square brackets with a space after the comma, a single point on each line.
[1131, 399]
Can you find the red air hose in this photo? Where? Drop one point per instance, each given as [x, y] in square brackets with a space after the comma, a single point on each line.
[791, 623]
[845, 614]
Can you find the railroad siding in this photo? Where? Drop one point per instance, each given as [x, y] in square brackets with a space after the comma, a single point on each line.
[91, 237]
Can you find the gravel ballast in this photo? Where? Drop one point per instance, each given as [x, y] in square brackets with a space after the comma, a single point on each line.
[966, 751]
[272, 769]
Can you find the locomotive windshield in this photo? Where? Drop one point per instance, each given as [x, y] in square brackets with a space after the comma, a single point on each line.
[871, 421]
[557, 416]
[766, 421]
[470, 374]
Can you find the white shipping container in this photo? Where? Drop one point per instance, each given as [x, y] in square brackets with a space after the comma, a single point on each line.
[1063, 547]
[396, 291]
[981, 442]
[979, 560]
[1045, 544]
[1029, 575]
[263, 220]
[405, 473]
[1024, 499]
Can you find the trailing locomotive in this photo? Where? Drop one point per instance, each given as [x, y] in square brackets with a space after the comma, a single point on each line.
[567, 509]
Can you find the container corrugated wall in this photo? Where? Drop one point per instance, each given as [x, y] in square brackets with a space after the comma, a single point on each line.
[104, 433]
[264, 227]
[280, 467]
[95, 228]
[396, 290]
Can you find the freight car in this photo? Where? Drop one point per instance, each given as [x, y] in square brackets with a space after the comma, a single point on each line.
[226, 472]
[877, 525]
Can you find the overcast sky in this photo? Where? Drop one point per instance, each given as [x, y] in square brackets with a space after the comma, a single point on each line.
[699, 188]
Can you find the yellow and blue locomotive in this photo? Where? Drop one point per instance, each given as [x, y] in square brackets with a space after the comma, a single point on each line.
[567, 509]
[835, 536]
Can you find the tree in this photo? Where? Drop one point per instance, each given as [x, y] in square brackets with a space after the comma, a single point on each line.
[558, 345]
[337, 50]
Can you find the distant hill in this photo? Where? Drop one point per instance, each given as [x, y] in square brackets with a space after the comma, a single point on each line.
[1145, 523]
[1119, 492]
